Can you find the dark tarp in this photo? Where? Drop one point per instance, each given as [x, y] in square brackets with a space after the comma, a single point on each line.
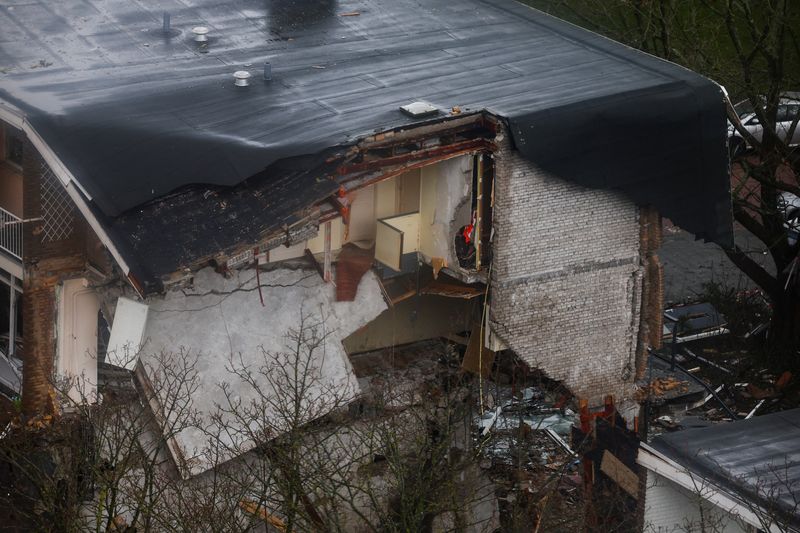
[135, 114]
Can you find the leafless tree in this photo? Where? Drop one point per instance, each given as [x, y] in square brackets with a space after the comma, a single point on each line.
[288, 448]
[326, 458]
[99, 464]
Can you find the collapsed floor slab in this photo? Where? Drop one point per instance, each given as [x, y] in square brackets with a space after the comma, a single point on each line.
[218, 318]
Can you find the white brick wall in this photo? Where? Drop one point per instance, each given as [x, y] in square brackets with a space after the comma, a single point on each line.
[566, 279]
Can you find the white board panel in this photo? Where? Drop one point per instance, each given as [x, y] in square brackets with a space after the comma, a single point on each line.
[130, 319]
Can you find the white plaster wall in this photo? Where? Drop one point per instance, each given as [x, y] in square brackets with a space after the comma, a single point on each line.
[219, 317]
[444, 206]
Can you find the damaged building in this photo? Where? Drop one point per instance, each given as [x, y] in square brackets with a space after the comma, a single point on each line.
[198, 180]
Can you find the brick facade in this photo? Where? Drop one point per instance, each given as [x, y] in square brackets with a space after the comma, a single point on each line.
[55, 243]
[566, 288]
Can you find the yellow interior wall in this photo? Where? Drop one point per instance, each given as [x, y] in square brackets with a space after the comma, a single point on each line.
[282, 253]
[362, 214]
[386, 199]
[408, 191]
[427, 209]
[317, 244]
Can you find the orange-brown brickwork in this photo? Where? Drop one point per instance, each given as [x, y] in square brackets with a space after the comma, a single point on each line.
[650, 236]
[46, 262]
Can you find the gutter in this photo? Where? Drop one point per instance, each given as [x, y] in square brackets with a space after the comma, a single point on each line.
[79, 195]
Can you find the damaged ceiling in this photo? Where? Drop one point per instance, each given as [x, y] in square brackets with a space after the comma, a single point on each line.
[135, 113]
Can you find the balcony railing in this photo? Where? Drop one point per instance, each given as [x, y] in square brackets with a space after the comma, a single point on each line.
[11, 233]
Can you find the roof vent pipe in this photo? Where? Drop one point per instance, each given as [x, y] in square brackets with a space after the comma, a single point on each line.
[166, 24]
[242, 78]
[267, 71]
[200, 34]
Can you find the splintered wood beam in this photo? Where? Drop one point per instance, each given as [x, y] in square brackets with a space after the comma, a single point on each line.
[342, 208]
[429, 153]
[326, 275]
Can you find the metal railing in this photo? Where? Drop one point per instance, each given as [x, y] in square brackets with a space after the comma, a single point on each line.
[11, 233]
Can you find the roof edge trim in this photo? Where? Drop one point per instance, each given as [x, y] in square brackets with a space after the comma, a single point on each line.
[17, 118]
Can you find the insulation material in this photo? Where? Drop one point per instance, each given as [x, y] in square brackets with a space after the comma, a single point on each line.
[445, 206]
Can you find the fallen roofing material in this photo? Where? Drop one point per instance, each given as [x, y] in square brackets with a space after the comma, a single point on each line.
[353, 262]
[757, 459]
[134, 114]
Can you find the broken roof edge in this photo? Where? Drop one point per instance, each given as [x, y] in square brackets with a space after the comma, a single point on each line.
[82, 200]
[722, 233]
[329, 165]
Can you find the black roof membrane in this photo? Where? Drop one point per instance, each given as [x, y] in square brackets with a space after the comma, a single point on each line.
[135, 114]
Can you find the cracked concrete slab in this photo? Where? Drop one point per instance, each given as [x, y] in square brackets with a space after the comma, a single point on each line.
[218, 317]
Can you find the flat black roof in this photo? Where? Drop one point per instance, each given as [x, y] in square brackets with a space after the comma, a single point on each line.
[758, 458]
[135, 114]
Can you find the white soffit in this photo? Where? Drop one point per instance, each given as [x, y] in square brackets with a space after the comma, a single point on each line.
[130, 319]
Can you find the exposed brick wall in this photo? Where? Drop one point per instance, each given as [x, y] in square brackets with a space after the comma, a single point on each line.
[566, 278]
[650, 233]
[54, 249]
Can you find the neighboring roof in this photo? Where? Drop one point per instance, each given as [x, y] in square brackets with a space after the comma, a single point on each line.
[135, 115]
[757, 458]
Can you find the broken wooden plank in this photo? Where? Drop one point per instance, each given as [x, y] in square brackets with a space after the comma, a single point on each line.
[451, 290]
[621, 474]
[313, 260]
[756, 408]
[252, 508]
[458, 339]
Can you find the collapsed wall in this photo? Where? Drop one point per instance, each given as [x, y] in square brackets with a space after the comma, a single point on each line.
[567, 278]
